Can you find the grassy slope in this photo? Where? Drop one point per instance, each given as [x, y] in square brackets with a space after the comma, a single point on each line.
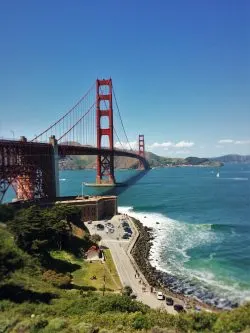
[82, 276]
[34, 305]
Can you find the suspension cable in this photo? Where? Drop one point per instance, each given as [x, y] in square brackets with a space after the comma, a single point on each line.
[85, 114]
[121, 118]
[66, 114]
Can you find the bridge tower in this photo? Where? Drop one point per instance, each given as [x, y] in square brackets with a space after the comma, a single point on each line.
[141, 144]
[104, 108]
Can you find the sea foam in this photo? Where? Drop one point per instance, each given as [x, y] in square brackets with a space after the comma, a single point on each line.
[169, 253]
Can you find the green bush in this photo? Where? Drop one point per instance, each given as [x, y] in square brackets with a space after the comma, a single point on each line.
[117, 303]
[141, 322]
[57, 279]
[7, 213]
[55, 325]
[38, 325]
[95, 238]
[233, 321]
[127, 291]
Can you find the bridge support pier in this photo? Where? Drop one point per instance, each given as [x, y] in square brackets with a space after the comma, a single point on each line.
[55, 165]
[105, 160]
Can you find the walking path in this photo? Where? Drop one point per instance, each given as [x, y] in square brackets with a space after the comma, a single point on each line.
[126, 267]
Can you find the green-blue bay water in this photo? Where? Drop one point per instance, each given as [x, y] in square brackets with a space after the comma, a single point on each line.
[201, 225]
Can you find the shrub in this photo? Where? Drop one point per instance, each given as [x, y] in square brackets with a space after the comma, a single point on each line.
[233, 321]
[57, 279]
[55, 324]
[117, 303]
[38, 324]
[141, 322]
[127, 291]
[95, 238]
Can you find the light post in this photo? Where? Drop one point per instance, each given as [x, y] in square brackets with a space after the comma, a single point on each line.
[82, 189]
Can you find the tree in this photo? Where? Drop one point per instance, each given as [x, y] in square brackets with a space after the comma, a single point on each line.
[127, 290]
[95, 238]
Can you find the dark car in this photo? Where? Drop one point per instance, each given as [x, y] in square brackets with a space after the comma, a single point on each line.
[125, 236]
[179, 308]
[169, 301]
[128, 230]
[100, 227]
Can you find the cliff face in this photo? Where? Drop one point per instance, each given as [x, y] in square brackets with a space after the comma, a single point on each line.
[89, 162]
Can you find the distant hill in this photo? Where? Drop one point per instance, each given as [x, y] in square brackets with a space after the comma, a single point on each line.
[232, 158]
[155, 161]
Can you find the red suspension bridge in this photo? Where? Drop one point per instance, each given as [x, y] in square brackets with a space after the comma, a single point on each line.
[31, 167]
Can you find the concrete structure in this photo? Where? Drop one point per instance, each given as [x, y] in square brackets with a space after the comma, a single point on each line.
[93, 207]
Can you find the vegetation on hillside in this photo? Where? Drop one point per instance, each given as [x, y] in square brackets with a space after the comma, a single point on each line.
[89, 162]
[37, 298]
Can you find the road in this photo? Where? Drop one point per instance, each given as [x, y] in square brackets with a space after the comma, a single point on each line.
[124, 263]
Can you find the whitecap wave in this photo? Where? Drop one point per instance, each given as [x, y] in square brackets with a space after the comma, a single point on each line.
[170, 253]
[235, 178]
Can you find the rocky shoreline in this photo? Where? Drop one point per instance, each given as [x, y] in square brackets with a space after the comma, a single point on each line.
[159, 279]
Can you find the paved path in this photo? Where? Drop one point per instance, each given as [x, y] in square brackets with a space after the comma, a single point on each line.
[125, 264]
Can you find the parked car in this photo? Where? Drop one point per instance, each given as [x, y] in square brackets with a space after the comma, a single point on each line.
[169, 301]
[160, 295]
[89, 222]
[179, 308]
[125, 236]
[128, 230]
[100, 226]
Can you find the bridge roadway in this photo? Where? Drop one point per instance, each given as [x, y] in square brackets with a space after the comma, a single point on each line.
[33, 148]
[33, 166]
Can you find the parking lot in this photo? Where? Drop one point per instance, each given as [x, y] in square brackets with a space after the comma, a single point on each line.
[126, 270]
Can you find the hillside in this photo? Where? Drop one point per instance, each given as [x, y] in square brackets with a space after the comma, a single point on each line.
[233, 158]
[89, 162]
[37, 294]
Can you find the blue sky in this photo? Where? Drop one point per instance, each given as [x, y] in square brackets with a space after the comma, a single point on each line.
[181, 69]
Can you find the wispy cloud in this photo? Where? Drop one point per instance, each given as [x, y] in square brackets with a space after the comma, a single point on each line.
[161, 145]
[184, 144]
[126, 145]
[169, 144]
[242, 142]
[226, 141]
[235, 142]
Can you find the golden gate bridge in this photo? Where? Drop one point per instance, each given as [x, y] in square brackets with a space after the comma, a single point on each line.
[88, 128]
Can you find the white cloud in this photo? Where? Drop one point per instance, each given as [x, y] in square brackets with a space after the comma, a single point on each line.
[126, 145]
[226, 141]
[242, 142]
[169, 144]
[161, 145]
[184, 144]
[235, 142]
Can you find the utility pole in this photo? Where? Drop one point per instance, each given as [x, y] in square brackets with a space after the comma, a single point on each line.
[104, 280]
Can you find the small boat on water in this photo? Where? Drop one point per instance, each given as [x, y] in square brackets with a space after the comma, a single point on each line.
[218, 174]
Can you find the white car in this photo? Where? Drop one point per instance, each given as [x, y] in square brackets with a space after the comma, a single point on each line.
[160, 295]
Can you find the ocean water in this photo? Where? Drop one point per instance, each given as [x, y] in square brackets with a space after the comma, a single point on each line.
[201, 225]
